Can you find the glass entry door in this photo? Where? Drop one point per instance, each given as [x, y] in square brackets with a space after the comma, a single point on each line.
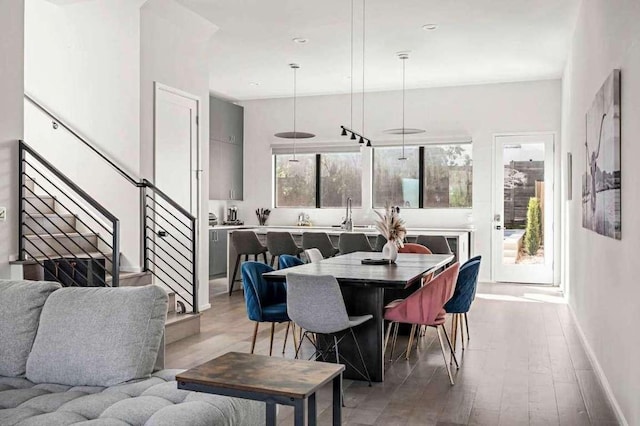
[522, 236]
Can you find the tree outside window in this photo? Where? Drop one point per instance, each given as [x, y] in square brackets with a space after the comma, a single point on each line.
[296, 181]
[396, 182]
[448, 176]
[340, 178]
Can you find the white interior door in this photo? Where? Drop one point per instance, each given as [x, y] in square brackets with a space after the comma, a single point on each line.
[522, 236]
[176, 168]
[176, 145]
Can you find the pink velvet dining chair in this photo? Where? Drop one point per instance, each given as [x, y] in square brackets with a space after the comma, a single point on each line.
[425, 307]
[419, 249]
[414, 248]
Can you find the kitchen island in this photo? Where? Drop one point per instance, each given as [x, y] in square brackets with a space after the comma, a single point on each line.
[460, 239]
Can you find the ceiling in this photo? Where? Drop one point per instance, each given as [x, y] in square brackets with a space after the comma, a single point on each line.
[477, 41]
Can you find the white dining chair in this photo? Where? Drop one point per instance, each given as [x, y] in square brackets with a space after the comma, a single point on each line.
[313, 255]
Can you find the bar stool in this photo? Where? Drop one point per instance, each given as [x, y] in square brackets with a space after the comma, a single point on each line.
[350, 242]
[436, 243]
[246, 243]
[280, 243]
[319, 240]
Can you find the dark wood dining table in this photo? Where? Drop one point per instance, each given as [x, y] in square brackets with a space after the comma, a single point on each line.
[363, 288]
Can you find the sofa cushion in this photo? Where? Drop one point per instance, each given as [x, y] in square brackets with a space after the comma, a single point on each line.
[151, 402]
[98, 336]
[20, 306]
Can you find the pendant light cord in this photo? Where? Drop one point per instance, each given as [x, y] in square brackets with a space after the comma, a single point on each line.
[363, 50]
[295, 134]
[351, 77]
[404, 61]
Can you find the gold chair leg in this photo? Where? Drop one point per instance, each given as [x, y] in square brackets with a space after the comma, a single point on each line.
[410, 344]
[386, 338]
[394, 340]
[444, 354]
[286, 335]
[273, 329]
[255, 334]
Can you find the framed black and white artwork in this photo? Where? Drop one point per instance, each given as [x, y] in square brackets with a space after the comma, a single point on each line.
[601, 185]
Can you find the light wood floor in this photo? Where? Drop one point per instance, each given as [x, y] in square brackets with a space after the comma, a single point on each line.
[524, 365]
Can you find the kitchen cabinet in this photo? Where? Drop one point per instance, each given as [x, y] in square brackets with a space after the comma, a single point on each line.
[226, 150]
[226, 121]
[217, 252]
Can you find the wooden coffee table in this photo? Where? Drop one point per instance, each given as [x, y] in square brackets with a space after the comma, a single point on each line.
[269, 379]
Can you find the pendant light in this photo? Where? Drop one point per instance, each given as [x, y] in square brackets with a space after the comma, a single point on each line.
[295, 135]
[403, 56]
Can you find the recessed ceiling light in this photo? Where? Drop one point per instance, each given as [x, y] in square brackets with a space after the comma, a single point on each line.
[253, 83]
[300, 40]
[430, 27]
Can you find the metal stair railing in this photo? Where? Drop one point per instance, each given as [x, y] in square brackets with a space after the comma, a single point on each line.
[94, 212]
[168, 232]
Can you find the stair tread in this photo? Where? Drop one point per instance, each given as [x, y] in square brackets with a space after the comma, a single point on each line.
[124, 275]
[78, 255]
[60, 235]
[44, 197]
[174, 317]
[65, 215]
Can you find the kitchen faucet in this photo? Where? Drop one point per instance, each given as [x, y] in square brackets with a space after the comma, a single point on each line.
[348, 220]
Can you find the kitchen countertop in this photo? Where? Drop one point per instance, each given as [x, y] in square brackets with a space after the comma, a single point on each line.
[227, 227]
[335, 230]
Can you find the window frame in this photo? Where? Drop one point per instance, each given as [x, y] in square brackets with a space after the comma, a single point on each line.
[274, 159]
[421, 175]
[318, 180]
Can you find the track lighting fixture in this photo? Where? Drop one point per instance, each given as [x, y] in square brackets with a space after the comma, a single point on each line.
[354, 135]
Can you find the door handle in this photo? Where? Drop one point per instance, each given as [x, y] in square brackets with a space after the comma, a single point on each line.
[498, 227]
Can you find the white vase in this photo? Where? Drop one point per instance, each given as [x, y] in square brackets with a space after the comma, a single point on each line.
[390, 251]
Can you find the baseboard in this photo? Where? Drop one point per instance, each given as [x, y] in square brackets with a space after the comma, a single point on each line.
[602, 378]
[204, 307]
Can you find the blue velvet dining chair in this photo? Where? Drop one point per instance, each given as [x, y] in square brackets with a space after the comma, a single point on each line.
[463, 295]
[288, 261]
[266, 301]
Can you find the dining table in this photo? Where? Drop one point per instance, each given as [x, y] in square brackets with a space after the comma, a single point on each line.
[363, 288]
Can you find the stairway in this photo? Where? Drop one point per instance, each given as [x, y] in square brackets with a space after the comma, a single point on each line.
[52, 230]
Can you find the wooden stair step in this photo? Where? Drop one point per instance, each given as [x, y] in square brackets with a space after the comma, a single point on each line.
[70, 244]
[44, 204]
[132, 279]
[33, 271]
[50, 223]
[180, 326]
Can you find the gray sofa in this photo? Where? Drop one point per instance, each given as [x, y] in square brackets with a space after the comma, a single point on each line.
[86, 356]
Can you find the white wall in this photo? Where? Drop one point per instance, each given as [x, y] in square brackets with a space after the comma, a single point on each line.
[174, 43]
[11, 122]
[604, 290]
[82, 61]
[474, 111]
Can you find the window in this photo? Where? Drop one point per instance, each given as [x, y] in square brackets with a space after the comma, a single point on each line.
[296, 181]
[318, 180]
[447, 176]
[432, 176]
[396, 182]
[341, 178]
